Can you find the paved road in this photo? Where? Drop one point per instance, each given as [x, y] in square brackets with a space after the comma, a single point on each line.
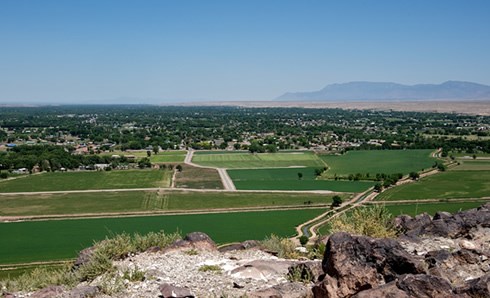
[225, 178]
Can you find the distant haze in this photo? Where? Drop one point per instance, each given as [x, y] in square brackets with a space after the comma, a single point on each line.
[376, 91]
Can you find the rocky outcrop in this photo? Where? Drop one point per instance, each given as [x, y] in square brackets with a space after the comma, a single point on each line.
[444, 224]
[442, 256]
[195, 240]
[170, 291]
[356, 263]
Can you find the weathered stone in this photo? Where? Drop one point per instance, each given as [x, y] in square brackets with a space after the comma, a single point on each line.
[48, 292]
[358, 263]
[435, 258]
[168, 291]
[306, 271]
[389, 290]
[444, 225]
[195, 240]
[479, 287]
[240, 246]
[84, 257]
[261, 269]
[284, 290]
[423, 285]
[83, 292]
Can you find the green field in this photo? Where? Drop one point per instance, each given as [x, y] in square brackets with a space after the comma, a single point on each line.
[137, 201]
[378, 161]
[287, 179]
[168, 156]
[414, 209]
[446, 185]
[88, 180]
[259, 160]
[62, 239]
[472, 165]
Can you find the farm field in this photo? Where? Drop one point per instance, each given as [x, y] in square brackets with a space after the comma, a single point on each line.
[138, 201]
[168, 156]
[473, 165]
[88, 180]
[446, 185]
[431, 208]
[378, 161]
[287, 179]
[259, 160]
[198, 178]
[62, 239]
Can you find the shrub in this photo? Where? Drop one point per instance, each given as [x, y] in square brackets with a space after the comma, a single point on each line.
[336, 201]
[210, 268]
[373, 221]
[303, 240]
[284, 247]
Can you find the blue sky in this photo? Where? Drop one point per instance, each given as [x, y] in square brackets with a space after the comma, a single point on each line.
[79, 51]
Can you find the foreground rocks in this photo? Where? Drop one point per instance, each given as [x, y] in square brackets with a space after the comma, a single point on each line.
[441, 256]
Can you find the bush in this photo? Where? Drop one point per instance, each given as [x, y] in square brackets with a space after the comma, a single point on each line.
[303, 240]
[336, 201]
[284, 247]
[4, 175]
[373, 221]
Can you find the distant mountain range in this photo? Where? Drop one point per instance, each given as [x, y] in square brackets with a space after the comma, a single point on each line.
[377, 91]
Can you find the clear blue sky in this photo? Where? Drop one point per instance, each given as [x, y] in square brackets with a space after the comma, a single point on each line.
[76, 51]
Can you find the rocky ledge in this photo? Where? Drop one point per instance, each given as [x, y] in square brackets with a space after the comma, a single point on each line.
[441, 256]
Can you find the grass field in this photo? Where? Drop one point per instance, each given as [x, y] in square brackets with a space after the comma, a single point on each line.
[260, 160]
[287, 179]
[378, 161]
[446, 185]
[168, 156]
[62, 239]
[135, 201]
[198, 178]
[472, 165]
[414, 209]
[88, 180]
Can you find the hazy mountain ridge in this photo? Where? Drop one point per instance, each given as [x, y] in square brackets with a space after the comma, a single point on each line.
[392, 91]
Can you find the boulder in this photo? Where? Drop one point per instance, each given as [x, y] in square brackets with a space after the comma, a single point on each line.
[389, 290]
[423, 285]
[479, 287]
[48, 292]
[444, 224]
[195, 240]
[240, 246]
[168, 290]
[356, 263]
[84, 257]
[306, 271]
[284, 290]
[83, 292]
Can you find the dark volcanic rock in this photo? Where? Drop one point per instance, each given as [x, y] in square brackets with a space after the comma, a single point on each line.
[423, 285]
[48, 292]
[443, 224]
[195, 240]
[479, 287]
[356, 263]
[83, 292]
[306, 271]
[389, 290]
[240, 246]
[285, 290]
[84, 257]
[168, 290]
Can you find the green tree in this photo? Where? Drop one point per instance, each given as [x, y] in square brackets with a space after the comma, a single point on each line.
[300, 175]
[336, 201]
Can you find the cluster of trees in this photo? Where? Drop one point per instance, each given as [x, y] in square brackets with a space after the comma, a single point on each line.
[54, 158]
[138, 127]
